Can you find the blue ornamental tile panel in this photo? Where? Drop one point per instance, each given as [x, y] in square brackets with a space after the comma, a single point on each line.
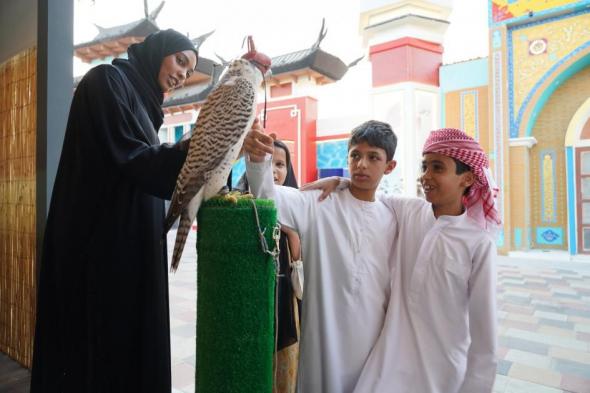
[332, 154]
[500, 239]
[517, 237]
[237, 171]
[550, 235]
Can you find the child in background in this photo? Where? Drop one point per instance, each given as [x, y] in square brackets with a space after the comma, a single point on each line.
[440, 329]
[346, 242]
[288, 310]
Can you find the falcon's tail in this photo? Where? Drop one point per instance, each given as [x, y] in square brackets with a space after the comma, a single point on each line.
[186, 220]
[183, 229]
[168, 222]
[174, 210]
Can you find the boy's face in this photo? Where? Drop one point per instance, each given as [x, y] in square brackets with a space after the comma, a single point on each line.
[440, 182]
[367, 164]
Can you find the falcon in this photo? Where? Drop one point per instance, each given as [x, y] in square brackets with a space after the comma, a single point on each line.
[222, 124]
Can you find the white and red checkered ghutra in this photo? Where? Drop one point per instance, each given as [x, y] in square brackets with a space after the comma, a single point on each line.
[480, 200]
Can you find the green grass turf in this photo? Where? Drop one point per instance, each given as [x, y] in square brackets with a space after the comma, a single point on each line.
[235, 298]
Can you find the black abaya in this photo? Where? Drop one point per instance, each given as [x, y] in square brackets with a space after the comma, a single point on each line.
[102, 309]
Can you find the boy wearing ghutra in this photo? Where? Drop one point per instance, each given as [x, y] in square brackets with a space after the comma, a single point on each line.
[440, 330]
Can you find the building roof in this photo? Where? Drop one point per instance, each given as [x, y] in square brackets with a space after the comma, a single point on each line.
[313, 61]
[115, 40]
[139, 28]
[192, 96]
[112, 41]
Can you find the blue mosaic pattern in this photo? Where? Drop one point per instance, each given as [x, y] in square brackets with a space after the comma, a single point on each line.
[571, 201]
[550, 235]
[574, 5]
[515, 123]
[332, 154]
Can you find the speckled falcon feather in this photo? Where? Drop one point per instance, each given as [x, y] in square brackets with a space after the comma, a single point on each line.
[222, 125]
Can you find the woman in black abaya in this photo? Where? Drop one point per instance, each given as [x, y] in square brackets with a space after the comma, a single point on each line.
[102, 305]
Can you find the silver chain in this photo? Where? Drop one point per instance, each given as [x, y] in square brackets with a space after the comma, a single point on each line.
[276, 235]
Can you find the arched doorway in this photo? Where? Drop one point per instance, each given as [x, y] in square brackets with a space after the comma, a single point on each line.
[577, 144]
[558, 113]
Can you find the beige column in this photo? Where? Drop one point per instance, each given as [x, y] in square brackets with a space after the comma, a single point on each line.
[520, 198]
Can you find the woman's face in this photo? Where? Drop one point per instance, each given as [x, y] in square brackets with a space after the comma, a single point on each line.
[279, 166]
[176, 69]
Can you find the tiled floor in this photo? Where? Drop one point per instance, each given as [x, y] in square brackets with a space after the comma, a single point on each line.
[544, 325]
[183, 306]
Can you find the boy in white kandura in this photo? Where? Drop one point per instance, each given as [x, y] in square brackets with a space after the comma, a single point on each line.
[346, 242]
[440, 330]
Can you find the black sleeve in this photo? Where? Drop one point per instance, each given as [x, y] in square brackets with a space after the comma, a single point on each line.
[118, 131]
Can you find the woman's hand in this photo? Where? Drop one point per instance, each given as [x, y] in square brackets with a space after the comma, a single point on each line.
[257, 144]
[327, 185]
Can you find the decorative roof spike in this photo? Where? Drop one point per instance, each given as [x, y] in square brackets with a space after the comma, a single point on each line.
[200, 39]
[217, 71]
[100, 28]
[154, 14]
[355, 62]
[222, 60]
[323, 32]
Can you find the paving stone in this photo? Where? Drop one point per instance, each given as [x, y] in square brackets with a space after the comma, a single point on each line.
[571, 367]
[503, 367]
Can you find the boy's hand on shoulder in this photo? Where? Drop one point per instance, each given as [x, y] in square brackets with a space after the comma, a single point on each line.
[257, 144]
[327, 185]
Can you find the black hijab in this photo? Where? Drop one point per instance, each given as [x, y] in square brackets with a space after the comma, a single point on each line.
[143, 67]
[290, 179]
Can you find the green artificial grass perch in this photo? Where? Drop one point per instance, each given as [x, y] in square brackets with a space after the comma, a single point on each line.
[235, 296]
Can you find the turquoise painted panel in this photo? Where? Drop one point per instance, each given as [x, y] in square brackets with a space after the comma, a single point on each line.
[178, 132]
[500, 239]
[496, 39]
[571, 200]
[464, 75]
[517, 237]
[550, 235]
[332, 154]
[237, 171]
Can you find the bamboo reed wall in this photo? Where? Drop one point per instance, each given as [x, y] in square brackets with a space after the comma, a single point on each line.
[18, 103]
